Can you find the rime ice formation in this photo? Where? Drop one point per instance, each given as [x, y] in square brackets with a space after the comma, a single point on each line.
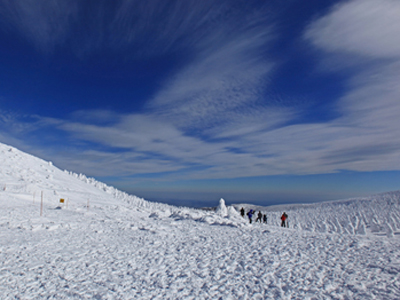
[222, 210]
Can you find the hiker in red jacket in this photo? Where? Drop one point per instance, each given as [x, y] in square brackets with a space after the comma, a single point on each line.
[283, 218]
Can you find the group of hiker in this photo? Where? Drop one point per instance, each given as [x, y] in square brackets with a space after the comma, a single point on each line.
[263, 217]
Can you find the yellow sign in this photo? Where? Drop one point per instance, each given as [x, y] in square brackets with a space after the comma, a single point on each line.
[61, 200]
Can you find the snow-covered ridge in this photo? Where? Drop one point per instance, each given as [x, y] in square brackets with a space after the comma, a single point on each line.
[378, 215]
[22, 173]
[23, 179]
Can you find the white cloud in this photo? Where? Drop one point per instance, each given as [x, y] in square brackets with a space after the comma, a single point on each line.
[143, 134]
[369, 29]
[226, 79]
[104, 163]
[361, 27]
[367, 136]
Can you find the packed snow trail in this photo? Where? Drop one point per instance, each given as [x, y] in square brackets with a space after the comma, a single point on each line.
[120, 254]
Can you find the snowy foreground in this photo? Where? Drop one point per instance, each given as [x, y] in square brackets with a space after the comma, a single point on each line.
[104, 244]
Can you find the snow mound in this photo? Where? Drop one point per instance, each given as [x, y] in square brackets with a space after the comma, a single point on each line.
[222, 210]
[233, 213]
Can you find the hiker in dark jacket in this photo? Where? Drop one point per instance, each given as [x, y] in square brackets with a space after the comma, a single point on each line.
[242, 212]
[283, 218]
[265, 219]
[250, 215]
[259, 216]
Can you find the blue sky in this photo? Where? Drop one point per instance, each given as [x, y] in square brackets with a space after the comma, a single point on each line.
[190, 101]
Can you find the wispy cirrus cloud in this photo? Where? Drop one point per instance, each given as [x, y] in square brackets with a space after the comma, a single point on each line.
[158, 26]
[223, 79]
[146, 28]
[44, 23]
[219, 84]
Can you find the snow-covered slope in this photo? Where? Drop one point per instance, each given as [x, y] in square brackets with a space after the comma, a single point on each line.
[25, 177]
[123, 247]
[378, 215]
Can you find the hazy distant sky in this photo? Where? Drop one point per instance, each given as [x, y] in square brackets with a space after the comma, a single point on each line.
[191, 101]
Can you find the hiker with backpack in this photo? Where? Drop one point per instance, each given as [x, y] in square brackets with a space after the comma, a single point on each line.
[259, 216]
[250, 215]
[265, 219]
[283, 218]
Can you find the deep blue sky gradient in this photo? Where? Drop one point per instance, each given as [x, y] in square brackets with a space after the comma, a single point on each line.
[189, 101]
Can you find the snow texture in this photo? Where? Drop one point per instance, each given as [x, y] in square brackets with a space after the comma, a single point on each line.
[102, 243]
